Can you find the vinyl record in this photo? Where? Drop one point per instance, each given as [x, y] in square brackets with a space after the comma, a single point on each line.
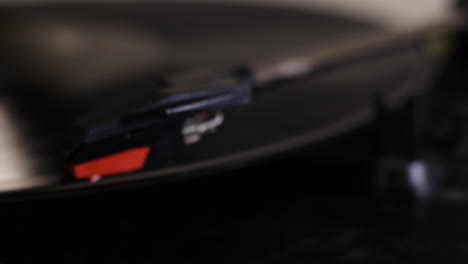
[315, 74]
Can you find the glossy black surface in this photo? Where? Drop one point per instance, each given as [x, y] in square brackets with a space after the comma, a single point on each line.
[182, 37]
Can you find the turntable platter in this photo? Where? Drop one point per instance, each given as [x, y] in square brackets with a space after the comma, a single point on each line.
[166, 38]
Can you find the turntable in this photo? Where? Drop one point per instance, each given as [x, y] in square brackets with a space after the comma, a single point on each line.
[112, 95]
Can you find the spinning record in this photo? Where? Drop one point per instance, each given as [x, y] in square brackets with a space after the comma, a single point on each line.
[201, 87]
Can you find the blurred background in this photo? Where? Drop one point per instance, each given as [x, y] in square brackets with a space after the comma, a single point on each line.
[235, 131]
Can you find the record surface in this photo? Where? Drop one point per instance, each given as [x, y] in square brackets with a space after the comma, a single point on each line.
[82, 50]
[174, 37]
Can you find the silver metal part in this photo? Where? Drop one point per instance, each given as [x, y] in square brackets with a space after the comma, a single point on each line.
[194, 128]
